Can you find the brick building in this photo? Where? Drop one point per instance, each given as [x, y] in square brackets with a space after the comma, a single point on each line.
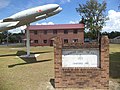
[42, 35]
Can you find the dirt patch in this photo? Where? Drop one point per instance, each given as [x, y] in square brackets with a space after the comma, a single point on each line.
[114, 85]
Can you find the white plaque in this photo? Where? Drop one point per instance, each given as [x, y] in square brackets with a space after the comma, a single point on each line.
[80, 57]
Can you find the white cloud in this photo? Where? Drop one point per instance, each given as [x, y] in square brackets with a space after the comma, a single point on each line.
[45, 23]
[18, 30]
[74, 22]
[68, 0]
[4, 3]
[23, 27]
[113, 24]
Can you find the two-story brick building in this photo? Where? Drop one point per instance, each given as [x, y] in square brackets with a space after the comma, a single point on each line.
[42, 35]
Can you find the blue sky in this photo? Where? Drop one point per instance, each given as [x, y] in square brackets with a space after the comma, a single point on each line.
[68, 15]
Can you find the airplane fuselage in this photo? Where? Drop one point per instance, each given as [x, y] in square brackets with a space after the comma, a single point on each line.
[28, 16]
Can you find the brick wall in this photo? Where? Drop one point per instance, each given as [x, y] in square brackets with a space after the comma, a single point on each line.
[40, 36]
[96, 78]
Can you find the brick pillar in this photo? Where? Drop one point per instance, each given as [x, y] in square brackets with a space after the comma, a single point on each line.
[58, 61]
[105, 60]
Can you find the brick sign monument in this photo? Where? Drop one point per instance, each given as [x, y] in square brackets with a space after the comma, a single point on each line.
[82, 65]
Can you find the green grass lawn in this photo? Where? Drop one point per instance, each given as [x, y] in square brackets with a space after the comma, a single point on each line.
[25, 74]
[115, 62]
[35, 73]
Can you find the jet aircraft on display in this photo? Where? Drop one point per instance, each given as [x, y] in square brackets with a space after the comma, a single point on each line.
[28, 16]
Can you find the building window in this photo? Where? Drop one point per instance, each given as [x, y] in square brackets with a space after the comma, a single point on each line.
[44, 41]
[54, 31]
[75, 31]
[35, 41]
[65, 31]
[65, 40]
[75, 40]
[35, 32]
[45, 32]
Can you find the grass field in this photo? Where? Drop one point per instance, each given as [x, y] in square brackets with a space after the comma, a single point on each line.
[35, 73]
[25, 74]
[115, 62]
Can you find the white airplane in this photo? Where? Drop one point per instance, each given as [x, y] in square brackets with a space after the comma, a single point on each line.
[28, 16]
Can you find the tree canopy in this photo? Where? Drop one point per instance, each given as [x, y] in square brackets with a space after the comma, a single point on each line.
[93, 15]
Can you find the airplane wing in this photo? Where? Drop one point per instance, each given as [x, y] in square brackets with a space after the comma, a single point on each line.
[8, 20]
[12, 24]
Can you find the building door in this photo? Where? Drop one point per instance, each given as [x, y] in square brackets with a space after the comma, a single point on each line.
[51, 42]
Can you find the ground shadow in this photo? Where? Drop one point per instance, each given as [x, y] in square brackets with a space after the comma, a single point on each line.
[10, 66]
[115, 65]
[19, 53]
[52, 81]
[7, 55]
[28, 60]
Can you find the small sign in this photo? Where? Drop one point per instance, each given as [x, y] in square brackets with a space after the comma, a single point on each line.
[80, 57]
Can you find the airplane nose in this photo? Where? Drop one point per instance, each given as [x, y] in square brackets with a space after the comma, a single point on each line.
[60, 9]
[49, 8]
[57, 10]
[55, 6]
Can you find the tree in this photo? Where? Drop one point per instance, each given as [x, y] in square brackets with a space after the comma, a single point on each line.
[1, 37]
[6, 35]
[93, 15]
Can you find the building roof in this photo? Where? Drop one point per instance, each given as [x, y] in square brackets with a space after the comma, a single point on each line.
[118, 37]
[56, 27]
